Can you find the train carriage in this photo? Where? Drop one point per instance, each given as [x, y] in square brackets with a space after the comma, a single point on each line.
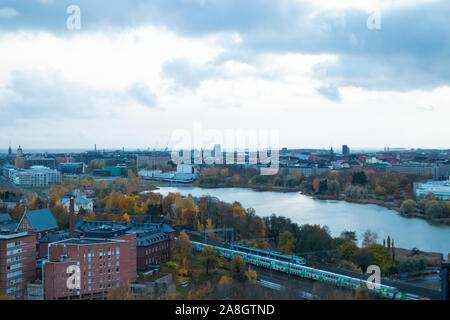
[268, 260]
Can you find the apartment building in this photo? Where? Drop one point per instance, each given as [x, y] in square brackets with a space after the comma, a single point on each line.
[17, 262]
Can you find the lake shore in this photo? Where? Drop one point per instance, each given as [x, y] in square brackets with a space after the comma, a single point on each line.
[387, 205]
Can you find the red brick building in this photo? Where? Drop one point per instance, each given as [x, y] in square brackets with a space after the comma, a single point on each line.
[17, 262]
[100, 264]
[39, 222]
[155, 241]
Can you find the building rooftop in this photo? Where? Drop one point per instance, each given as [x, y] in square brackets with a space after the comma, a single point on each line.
[41, 219]
[10, 234]
[87, 241]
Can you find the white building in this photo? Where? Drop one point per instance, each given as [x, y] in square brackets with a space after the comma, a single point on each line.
[440, 189]
[36, 176]
[78, 203]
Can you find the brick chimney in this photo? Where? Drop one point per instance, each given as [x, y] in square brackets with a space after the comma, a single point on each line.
[71, 219]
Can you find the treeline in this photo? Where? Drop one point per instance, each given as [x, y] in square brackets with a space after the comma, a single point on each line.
[234, 175]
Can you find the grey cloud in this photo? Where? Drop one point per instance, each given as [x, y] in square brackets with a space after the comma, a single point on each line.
[330, 92]
[186, 74]
[34, 95]
[142, 94]
[410, 51]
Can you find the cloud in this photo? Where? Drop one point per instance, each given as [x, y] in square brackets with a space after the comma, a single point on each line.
[188, 75]
[409, 52]
[141, 93]
[33, 95]
[330, 92]
[425, 108]
[8, 13]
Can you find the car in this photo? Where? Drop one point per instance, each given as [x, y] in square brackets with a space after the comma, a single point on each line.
[184, 284]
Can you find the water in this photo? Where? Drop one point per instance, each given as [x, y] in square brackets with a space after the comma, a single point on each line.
[407, 233]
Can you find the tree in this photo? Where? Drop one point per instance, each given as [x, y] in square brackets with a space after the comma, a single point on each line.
[381, 257]
[348, 250]
[333, 187]
[369, 238]
[363, 258]
[408, 206]
[237, 266]
[209, 258]
[223, 263]
[126, 217]
[359, 178]
[251, 274]
[183, 247]
[119, 293]
[349, 235]
[286, 243]
[209, 226]
[435, 209]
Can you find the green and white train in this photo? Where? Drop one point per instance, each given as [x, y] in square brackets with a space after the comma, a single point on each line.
[291, 267]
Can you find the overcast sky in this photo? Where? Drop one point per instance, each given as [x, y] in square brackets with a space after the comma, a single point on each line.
[138, 71]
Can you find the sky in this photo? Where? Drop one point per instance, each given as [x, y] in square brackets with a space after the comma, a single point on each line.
[286, 73]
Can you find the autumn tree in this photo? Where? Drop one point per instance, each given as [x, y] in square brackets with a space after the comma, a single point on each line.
[183, 246]
[237, 267]
[209, 258]
[369, 238]
[286, 243]
[348, 250]
[251, 274]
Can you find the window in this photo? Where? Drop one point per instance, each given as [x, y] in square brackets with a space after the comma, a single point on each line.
[16, 258]
[15, 251]
[14, 266]
[14, 244]
[118, 277]
[117, 263]
[13, 274]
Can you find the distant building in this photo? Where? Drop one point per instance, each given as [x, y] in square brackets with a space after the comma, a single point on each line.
[17, 262]
[19, 161]
[6, 223]
[440, 189]
[36, 176]
[345, 150]
[417, 169]
[185, 173]
[35, 161]
[72, 167]
[154, 160]
[79, 202]
[39, 222]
